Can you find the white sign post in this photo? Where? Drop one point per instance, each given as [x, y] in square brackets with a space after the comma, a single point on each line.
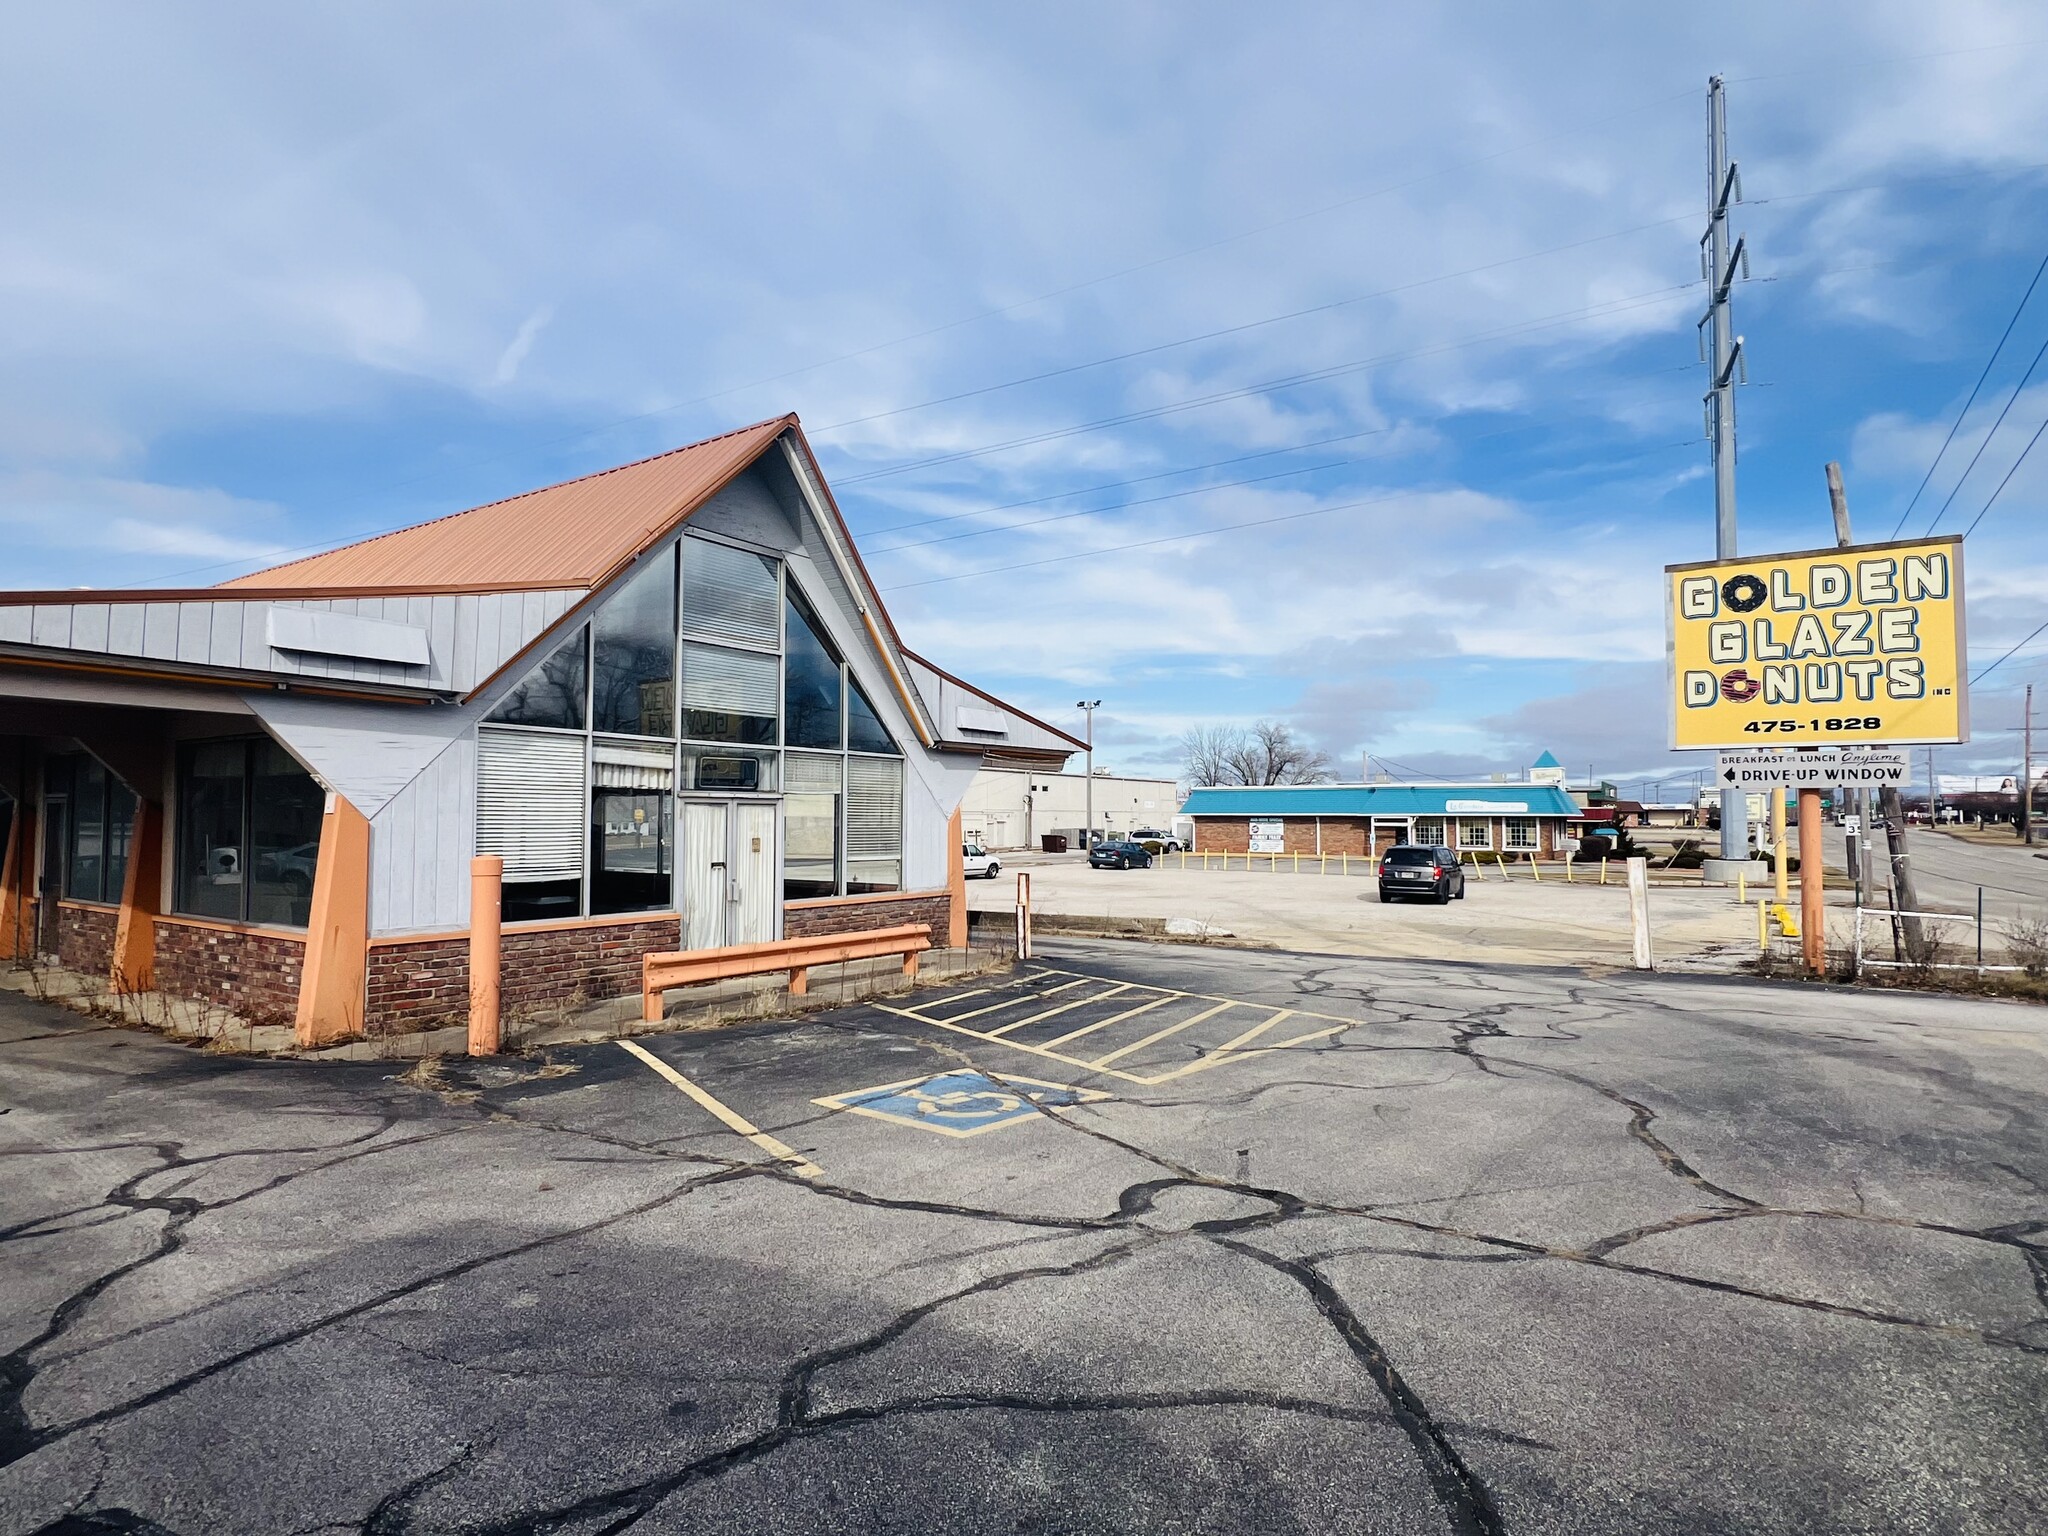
[1852, 768]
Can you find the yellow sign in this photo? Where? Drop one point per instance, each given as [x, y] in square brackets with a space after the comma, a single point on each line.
[1860, 646]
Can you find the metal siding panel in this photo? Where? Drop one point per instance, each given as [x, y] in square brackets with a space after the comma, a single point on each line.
[224, 634]
[195, 632]
[89, 623]
[463, 671]
[160, 631]
[17, 623]
[51, 625]
[124, 629]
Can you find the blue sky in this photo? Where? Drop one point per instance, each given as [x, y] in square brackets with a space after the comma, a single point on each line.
[274, 277]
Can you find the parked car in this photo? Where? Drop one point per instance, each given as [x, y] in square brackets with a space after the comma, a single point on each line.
[1119, 856]
[1167, 842]
[978, 861]
[1409, 869]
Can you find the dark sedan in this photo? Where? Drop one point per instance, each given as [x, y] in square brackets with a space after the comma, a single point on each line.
[1119, 856]
[1408, 869]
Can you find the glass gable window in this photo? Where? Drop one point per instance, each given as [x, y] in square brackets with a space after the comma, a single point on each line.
[729, 695]
[864, 729]
[99, 825]
[248, 835]
[731, 595]
[633, 689]
[810, 680]
[552, 694]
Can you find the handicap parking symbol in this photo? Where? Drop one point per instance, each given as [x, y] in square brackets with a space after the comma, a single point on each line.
[961, 1103]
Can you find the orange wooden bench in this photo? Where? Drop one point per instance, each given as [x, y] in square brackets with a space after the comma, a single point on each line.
[660, 972]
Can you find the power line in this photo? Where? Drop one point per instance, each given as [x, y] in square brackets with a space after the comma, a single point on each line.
[327, 543]
[1956, 426]
[2008, 656]
[2038, 355]
[1290, 381]
[2016, 463]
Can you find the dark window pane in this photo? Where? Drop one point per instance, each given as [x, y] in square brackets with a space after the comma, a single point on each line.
[285, 807]
[632, 835]
[552, 693]
[86, 880]
[713, 770]
[635, 692]
[527, 901]
[210, 785]
[810, 825]
[120, 832]
[729, 695]
[810, 687]
[864, 729]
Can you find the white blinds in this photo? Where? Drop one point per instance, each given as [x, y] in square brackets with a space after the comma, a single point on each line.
[729, 594]
[730, 682]
[530, 805]
[874, 808]
[614, 765]
[810, 773]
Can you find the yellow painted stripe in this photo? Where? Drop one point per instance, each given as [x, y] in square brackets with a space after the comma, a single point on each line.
[1079, 1002]
[1029, 1050]
[1211, 997]
[802, 1166]
[1114, 1018]
[1158, 1035]
[1229, 1055]
[975, 1013]
[1225, 1051]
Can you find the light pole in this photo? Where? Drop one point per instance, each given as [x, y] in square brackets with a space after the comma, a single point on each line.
[1088, 708]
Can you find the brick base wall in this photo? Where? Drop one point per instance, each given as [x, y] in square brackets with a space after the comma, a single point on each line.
[85, 938]
[1349, 834]
[425, 985]
[255, 975]
[801, 920]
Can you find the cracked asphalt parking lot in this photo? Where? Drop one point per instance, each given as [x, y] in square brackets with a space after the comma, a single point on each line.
[1346, 1245]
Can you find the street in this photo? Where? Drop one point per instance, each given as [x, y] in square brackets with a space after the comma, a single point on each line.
[1136, 1239]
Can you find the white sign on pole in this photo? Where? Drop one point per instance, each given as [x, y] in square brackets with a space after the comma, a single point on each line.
[1854, 768]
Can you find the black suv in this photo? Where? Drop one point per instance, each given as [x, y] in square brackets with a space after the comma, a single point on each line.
[1409, 869]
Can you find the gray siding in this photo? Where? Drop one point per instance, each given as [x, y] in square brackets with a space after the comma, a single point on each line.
[469, 635]
[420, 847]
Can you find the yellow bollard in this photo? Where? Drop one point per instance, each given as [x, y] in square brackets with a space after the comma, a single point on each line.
[1535, 869]
[1567, 869]
[1345, 868]
[1763, 926]
[1603, 870]
[1742, 886]
[1297, 863]
[1326, 863]
[1500, 863]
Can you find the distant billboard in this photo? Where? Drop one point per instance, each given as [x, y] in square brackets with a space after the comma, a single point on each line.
[1857, 646]
[1986, 783]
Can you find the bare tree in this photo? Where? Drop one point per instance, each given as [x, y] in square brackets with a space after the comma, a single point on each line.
[1205, 754]
[1268, 753]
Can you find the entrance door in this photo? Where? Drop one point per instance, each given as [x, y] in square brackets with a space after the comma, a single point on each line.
[56, 823]
[732, 872]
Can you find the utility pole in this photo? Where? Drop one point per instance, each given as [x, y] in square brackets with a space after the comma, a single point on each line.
[1859, 804]
[1721, 350]
[2027, 771]
[1890, 808]
[1088, 708]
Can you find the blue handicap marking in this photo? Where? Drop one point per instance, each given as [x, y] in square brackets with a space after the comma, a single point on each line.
[961, 1103]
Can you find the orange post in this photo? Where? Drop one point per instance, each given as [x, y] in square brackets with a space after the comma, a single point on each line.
[17, 934]
[1813, 938]
[486, 898]
[956, 885]
[134, 964]
[337, 967]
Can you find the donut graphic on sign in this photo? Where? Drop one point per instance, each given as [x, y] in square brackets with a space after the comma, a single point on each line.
[1738, 687]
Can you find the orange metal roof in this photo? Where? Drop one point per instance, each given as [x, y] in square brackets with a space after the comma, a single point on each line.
[570, 535]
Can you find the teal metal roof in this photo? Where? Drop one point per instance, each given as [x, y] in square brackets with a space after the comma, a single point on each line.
[1381, 800]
